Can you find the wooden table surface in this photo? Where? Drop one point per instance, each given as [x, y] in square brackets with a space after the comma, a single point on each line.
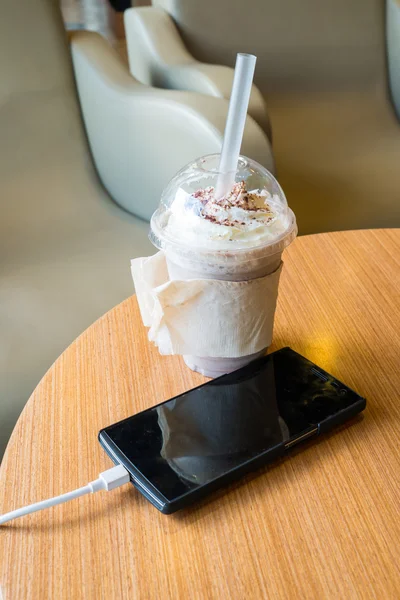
[323, 523]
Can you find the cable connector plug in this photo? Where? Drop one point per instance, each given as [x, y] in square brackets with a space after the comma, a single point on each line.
[108, 480]
[111, 479]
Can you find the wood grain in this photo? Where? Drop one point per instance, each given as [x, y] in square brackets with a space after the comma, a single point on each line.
[323, 523]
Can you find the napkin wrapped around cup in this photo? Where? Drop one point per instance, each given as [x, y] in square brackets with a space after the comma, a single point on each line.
[204, 317]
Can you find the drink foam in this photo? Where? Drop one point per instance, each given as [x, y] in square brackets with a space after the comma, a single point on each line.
[241, 219]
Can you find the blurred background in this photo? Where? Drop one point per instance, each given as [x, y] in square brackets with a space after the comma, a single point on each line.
[86, 117]
[104, 16]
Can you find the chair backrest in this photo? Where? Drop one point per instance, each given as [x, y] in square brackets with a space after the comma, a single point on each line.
[304, 43]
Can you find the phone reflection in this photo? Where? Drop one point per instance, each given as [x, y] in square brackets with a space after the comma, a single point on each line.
[204, 437]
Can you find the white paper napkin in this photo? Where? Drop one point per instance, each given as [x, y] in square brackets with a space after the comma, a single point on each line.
[204, 317]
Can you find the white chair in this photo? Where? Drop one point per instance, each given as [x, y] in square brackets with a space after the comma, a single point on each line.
[158, 57]
[140, 135]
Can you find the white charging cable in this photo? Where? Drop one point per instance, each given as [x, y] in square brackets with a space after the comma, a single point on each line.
[108, 480]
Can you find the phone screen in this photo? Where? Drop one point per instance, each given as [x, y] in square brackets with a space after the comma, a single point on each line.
[194, 438]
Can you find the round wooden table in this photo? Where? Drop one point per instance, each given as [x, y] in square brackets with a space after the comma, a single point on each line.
[323, 523]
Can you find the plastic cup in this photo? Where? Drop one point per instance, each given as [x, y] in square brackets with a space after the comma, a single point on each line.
[228, 260]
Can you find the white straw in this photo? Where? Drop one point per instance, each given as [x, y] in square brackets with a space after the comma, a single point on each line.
[235, 122]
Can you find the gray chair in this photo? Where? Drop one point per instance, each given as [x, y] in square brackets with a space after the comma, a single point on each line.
[330, 73]
[65, 244]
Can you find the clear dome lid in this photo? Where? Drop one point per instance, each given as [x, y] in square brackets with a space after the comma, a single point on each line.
[252, 215]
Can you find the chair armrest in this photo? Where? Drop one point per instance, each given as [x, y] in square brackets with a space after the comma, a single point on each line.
[141, 136]
[157, 56]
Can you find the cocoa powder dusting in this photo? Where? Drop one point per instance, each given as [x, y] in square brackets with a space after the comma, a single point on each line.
[238, 197]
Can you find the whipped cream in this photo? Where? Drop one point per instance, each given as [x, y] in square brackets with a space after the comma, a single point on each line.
[240, 219]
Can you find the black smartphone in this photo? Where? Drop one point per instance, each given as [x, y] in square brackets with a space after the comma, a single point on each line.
[184, 448]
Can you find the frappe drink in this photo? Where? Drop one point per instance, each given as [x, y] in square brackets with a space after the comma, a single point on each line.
[237, 237]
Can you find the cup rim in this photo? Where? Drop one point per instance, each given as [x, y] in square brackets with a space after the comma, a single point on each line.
[161, 241]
